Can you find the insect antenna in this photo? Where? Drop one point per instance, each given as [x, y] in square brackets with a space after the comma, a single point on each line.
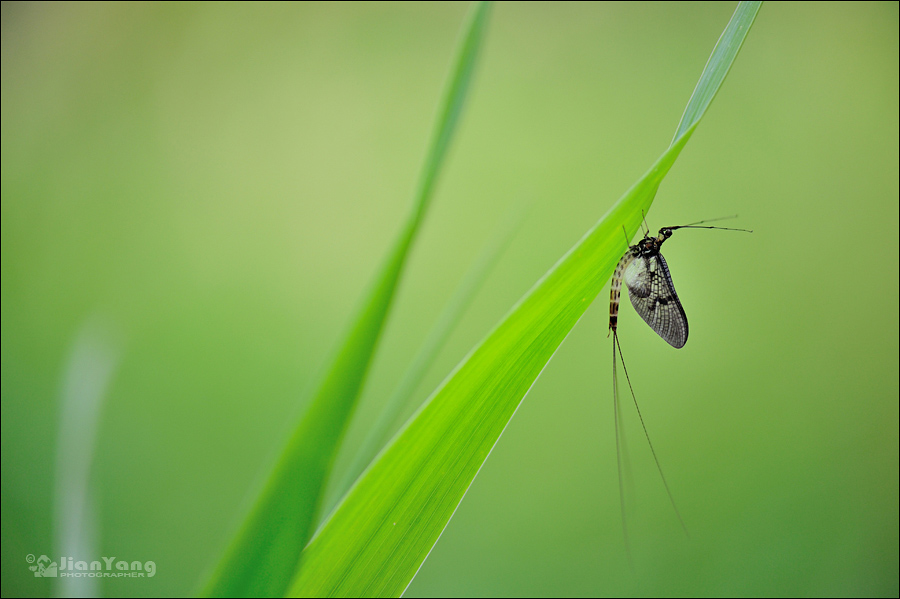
[709, 220]
[696, 227]
[712, 220]
[646, 434]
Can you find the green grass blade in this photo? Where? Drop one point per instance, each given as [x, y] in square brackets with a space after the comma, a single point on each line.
[389, 417]
[91, 365]
[264, 555]
[718, 65]
[379, 536]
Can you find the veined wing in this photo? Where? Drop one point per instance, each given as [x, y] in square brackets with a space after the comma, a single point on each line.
[653, 297]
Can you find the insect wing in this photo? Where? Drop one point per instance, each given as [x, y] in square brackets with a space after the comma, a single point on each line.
[653, 297]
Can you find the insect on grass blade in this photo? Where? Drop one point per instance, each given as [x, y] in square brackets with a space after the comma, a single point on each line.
[646, 275]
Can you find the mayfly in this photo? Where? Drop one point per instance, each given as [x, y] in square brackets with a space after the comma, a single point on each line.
[646, 275]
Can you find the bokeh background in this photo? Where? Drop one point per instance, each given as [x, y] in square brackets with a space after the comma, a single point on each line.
[196, 196]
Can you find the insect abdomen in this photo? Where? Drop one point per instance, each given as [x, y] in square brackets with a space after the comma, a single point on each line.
[615, 288]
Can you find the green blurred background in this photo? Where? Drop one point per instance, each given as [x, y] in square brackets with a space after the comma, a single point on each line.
[208, 190]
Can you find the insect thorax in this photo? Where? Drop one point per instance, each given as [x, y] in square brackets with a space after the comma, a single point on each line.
[650, 246]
